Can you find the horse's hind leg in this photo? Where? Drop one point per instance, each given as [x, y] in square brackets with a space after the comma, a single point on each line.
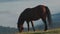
[44, 20]
[28, 25]
[32, 25]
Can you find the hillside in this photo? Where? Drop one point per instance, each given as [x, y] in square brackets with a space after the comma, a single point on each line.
[52, 31]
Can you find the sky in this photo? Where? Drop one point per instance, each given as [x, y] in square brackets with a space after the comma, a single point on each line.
[11, 9]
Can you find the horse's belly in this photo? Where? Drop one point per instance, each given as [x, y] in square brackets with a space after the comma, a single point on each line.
[35, 18]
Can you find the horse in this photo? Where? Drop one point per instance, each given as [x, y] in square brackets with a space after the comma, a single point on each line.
[33, 14]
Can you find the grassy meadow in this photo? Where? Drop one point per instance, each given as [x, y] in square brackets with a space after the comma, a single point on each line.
[52, 31]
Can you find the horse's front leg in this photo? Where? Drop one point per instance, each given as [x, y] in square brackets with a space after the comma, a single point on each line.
[32, 25]
[28, 25]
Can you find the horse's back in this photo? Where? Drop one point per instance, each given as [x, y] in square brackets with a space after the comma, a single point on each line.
[33, 13]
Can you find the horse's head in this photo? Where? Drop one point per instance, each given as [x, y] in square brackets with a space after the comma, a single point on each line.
[20, 27]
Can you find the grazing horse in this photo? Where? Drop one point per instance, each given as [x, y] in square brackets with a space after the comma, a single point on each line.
[33, 14]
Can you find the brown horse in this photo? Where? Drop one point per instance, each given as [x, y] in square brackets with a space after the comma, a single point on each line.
[33, 14]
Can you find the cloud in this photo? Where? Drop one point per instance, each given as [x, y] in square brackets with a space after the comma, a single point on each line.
[8, 0]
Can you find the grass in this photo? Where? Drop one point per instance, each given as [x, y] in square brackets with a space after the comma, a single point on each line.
[52, 31]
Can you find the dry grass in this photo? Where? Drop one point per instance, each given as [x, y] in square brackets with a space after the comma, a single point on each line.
[52, 31]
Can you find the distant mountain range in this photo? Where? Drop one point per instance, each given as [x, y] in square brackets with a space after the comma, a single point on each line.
[55, 24]
[56, 20]
[7, 30]
[56, 17]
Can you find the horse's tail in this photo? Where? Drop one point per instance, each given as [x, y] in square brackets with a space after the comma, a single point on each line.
[48, 15]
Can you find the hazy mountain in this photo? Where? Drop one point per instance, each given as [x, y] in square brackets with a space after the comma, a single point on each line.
[56, 20]
[56, 17]
[7, 30]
